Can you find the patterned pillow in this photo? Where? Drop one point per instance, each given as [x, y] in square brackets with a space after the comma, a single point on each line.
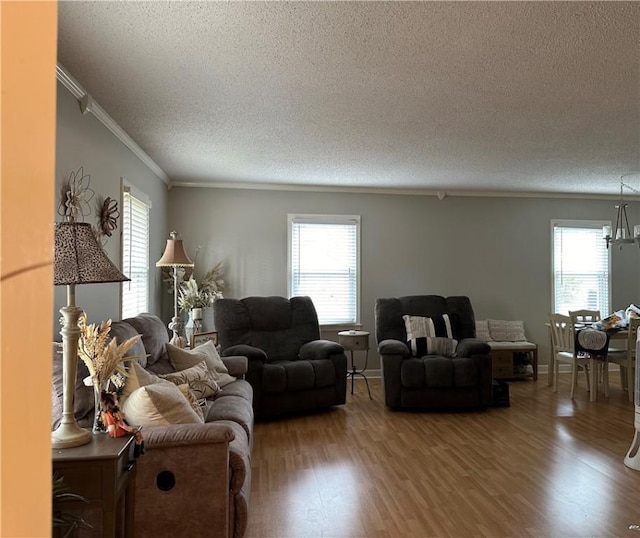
[198, 377]
[506, 331]
[181, 359]
[482, 330]
[430, 336]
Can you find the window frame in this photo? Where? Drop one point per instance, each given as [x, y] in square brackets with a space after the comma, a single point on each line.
[322, 219]
[586, 224]
[127, 189]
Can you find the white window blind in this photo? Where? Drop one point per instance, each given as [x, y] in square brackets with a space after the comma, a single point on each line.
[324, 264]
[135, 255]
[581, 267]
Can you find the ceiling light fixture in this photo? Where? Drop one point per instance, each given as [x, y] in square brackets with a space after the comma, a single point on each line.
[622, 230]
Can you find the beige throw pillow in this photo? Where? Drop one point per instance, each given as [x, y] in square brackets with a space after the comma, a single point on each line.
[137, 377]
[193, 401]
[198, 377]
[159, 404]
[182, 359]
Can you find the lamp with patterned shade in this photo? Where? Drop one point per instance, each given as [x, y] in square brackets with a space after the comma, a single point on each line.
[174, 256]
[78, 259]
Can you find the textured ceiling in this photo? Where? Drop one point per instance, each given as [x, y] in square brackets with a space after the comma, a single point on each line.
[444, 96]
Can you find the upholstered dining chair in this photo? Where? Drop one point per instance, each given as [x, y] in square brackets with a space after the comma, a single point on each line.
[564, 350]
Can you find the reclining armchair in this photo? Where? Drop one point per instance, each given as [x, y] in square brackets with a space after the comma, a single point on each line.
[448, 370]
[290, 368]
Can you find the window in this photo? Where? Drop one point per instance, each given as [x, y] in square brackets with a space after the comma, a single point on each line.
[135, 252]
[581, 267]
[324, 264]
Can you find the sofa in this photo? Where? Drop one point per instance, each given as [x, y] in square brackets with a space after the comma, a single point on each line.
[291, 369]
[450, 369]
[209, 462]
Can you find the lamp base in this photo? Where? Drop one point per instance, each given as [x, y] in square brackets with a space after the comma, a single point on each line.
[69, 435]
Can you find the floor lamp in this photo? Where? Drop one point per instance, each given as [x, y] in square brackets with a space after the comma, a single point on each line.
[174, 256]
[78, 259]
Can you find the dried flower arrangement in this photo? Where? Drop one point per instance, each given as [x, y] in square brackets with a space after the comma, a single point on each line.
[103, 357]
[193, 296]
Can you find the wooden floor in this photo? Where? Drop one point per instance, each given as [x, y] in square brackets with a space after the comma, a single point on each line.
[546, 466]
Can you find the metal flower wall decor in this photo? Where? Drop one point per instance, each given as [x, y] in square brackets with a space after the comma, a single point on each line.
[75, 196]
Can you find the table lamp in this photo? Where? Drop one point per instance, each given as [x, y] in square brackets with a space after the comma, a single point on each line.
[174, 256]
[78, 259]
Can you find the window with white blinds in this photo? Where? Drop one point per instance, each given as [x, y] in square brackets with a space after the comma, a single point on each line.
[581, 267]
[135, 254]
[324, 264]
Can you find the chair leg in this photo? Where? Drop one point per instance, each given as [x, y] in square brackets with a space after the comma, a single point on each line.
[586, 375]
[556, 368]
[631, 375]
[605, 379]
[574, 379]
[623, 377]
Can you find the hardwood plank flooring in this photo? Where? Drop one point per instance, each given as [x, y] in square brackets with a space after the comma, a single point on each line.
[546, 466]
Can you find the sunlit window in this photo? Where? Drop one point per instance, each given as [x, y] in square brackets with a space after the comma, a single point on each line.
[135, 252]
[324, 264]
[581, 267]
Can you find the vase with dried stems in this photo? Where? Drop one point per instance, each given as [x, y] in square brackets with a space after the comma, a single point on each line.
[104, 358]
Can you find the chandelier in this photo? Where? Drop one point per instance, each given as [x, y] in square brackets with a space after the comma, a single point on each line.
[622, 230]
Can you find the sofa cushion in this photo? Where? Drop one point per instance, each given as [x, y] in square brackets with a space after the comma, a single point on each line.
[160, 403]
[122, 331]
[182, 359]
[438, 372]
[506, 331]
[154, 337]
[198, 377]
[232, 408]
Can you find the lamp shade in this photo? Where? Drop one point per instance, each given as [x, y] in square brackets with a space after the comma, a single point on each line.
[174, 254]
[79, 259]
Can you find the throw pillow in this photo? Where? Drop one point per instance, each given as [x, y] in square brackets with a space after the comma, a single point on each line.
[506, 331]
[181, 359]
[199, 379]
[430, 336]
[482, 330]
[137, 377]
[161, 403]
[195, 404]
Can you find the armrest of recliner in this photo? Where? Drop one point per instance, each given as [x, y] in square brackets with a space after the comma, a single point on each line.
[472, 346]
[252, 353]
[393, 347]
[319, 349]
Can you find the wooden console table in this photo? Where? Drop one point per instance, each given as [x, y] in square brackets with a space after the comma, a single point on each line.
[104, 472]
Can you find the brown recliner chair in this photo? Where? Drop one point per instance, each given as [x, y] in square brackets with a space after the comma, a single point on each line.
[430, 381]
[290, 368]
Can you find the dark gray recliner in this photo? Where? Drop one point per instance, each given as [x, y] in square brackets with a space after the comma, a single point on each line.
[290, 368]
[432, 381]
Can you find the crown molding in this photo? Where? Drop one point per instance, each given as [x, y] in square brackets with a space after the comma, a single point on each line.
[88, 104]
[440, 194]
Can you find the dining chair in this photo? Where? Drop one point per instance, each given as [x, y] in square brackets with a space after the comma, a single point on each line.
[584, 316]
[564, 350]
[626, 358]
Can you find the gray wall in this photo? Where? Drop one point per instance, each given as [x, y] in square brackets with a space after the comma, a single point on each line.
[82, 140]
[495, 250]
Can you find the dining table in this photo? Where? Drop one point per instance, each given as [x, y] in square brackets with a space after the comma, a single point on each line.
[614, 334]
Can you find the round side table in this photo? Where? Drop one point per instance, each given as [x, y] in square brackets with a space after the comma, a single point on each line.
[356, 341]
